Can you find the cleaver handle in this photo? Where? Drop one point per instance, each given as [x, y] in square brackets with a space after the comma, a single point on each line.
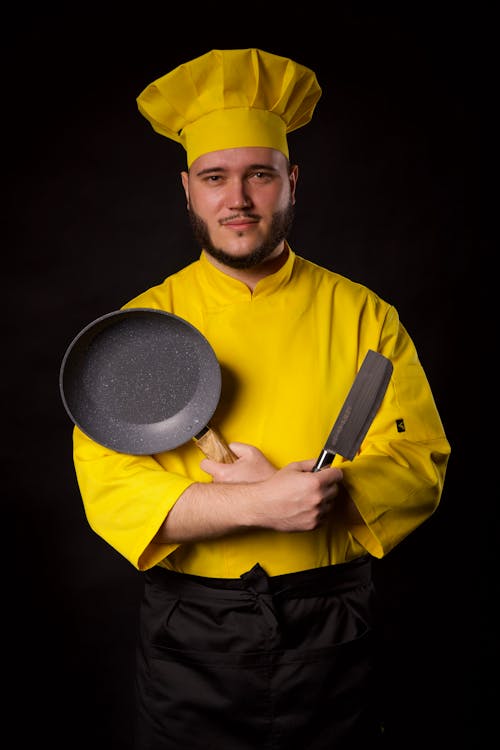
[324, 459]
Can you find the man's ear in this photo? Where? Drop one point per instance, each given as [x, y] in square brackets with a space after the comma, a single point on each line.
[185, 185]
[293, 177]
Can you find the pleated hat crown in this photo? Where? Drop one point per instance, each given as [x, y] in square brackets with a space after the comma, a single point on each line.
[231, 99]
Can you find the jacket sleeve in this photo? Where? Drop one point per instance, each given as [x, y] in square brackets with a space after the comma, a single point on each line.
[397, 478]
[126, 498]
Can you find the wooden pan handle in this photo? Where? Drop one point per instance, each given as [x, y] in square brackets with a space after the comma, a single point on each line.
[213, 445]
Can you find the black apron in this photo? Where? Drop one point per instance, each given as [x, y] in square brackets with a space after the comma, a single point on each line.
[259, 662]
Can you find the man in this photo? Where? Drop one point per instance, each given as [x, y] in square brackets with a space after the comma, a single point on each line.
[257, 620]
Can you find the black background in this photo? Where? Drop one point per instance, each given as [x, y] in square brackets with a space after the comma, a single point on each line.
[95, 214]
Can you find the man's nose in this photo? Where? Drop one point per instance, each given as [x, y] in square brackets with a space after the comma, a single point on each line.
[238, 197]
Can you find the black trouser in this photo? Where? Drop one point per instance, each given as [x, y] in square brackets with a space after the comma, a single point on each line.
[257, 662]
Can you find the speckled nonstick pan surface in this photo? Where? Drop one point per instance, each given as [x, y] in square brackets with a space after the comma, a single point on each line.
[140, 381]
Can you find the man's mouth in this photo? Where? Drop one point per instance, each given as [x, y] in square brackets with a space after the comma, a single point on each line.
[240, 220]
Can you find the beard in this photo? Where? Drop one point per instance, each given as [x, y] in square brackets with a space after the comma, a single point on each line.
[280, 226]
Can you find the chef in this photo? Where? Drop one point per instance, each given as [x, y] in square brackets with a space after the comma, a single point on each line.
[257, 624]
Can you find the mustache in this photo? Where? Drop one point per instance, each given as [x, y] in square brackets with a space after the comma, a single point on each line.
[240, 215]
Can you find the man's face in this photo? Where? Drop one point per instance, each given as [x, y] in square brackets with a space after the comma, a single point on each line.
[240, 203]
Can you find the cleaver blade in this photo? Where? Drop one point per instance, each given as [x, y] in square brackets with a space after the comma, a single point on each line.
[358, 410]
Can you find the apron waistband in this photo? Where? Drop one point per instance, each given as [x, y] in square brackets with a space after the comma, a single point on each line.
[339, 577]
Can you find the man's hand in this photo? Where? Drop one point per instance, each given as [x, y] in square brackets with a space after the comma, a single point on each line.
[251, 466]
[296, 499]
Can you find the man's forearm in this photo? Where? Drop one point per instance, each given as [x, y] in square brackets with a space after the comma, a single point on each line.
[205, 511]
[292, 499]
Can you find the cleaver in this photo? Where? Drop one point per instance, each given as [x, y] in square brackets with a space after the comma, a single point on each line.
[358, 410]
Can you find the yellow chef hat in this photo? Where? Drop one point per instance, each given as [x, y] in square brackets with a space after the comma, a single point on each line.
[231, 98]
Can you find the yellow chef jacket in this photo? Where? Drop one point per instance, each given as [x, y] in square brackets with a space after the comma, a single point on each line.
[289, 352]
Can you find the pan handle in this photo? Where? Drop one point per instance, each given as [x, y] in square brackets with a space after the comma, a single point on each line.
[213, 445]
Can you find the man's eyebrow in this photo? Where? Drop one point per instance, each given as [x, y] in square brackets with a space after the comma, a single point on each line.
[249, 168]
[209, 170]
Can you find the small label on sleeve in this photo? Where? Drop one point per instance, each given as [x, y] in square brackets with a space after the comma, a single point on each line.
[400, 425]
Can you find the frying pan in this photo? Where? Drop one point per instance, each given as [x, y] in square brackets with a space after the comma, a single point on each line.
[143, 381]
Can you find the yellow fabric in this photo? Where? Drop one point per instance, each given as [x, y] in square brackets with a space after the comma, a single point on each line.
[288, 353]
[231, 98]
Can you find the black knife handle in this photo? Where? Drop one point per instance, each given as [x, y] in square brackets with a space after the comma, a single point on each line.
[325, 459]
